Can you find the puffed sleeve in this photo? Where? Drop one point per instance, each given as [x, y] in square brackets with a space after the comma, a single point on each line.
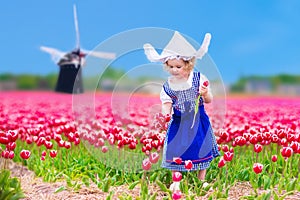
[164, 97]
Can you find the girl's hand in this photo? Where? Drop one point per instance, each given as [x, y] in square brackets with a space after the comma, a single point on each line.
[203, 90]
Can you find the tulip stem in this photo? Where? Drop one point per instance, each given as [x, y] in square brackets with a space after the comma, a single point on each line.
[226, 174]
[187, 182]
[298, 165]
[220, 178]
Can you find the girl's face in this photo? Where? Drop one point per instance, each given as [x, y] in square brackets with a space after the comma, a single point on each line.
[177, 68]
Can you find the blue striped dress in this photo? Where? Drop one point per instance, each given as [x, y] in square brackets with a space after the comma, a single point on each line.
[196, 143]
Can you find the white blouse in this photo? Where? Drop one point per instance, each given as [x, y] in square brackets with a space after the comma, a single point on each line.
[182, 86]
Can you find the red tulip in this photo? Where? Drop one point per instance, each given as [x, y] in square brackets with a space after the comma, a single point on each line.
[284, 142]
[176, 195]
[275, 139]
[11, 155]
[53, 153]
[25, 154]
[5, 154]
[274, 158]
[132, 145]
[146, 165]
[286, 152]
[224, 135]
[104, 149]
[240, 140]
[67, 145]
[154, 157]
[221, 163]
[48, 144]
[176, 176]
[11, 146]
[4, 140]
[228, 156]
[205, 83]
[188, 164]
[257, 148]
[12, 135]
[253, 139]
[257, 168]
[28, 139]
[167, 117]
[295, 146]
[225, 148]
[40, 141]
[76, 141]
[44, 153]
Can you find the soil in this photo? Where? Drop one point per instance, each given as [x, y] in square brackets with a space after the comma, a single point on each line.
[35, 188]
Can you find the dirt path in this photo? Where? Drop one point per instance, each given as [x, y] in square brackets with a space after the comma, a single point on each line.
[35, 189]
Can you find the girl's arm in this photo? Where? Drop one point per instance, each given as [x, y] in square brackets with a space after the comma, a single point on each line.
[166, 102]
[166, 108]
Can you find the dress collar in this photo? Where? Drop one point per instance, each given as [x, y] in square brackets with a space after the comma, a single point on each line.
[182, 85]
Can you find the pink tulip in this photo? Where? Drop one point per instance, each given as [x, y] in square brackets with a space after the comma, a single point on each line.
[146, 165]
[176, 176]
[154, 157]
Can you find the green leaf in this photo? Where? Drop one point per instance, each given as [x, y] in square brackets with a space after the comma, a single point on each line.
[132, 186]
[86, 181]
[291, 185]
[61, 188]
[9, 187]
[275, 195]
[266, 196]
[285, 195]
[267, 182]
[4, 175]
[153, 197]
[162, 186]
[109, 197]
[153, 176]
[17, 196]
[106, 185]
[260, 181]
[14, 183]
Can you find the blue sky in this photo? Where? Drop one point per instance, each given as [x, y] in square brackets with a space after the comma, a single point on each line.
[250, 37]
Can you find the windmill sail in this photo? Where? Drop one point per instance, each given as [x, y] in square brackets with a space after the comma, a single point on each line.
[76, 27]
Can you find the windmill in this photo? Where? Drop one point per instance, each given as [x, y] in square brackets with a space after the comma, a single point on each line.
[70, 63]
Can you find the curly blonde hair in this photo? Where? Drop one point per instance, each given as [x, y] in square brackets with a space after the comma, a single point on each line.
[189, 65]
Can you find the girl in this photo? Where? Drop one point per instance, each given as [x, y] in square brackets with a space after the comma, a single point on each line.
[190, 143]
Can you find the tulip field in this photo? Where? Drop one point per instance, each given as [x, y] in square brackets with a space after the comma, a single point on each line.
[259, 145]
